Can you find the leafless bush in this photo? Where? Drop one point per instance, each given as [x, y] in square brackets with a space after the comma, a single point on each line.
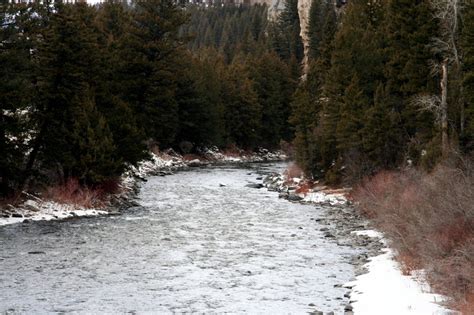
[73, 193]
[430, 219]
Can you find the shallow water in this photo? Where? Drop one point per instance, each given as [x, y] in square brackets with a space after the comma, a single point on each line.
[192, 246]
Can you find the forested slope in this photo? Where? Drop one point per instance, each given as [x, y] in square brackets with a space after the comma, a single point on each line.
[86, 91]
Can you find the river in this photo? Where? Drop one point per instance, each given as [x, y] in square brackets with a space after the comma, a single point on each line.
[200, 242]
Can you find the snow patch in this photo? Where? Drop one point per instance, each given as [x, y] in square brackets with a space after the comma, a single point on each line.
[47, 211]
[322, 197]
[369, 233]
[385, 290]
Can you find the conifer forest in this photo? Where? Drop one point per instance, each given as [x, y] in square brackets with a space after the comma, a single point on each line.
[374, 98]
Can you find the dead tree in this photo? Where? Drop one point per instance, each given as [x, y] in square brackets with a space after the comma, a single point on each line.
[447, 12]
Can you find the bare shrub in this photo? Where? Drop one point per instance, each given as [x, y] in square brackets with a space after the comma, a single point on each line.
[72, 192]
[430, 220]
[191, 157]
[293, 170]
[232, 151]
[304, 188]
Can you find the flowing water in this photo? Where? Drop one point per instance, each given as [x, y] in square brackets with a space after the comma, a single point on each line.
[194, 245]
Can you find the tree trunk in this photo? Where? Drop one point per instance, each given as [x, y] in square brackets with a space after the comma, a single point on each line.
[444, 109]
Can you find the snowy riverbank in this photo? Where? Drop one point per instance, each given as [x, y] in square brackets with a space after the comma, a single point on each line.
[380, 286]
[34, 208]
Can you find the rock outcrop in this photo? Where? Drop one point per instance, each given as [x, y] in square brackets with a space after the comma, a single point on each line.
[303, 12]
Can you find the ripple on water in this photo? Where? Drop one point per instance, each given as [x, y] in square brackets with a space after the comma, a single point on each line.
[192, 246]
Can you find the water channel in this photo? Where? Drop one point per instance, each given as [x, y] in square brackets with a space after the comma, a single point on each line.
[200, 242]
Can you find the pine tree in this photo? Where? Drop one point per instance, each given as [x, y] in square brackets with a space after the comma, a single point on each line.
[304, 117]
[409, 31]
[273, 85]
[16, 89]
[356, 67]
[242, 110]
[348, 129]
[380, 134]
[285, 33]
[75, 139]
[112, 23]
[151, 59]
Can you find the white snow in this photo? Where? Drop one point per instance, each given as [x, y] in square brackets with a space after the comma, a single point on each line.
[370, 233]
[49, 210]
[322, 197]
[385, 290]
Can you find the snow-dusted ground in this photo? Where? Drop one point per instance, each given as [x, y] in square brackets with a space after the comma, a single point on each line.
[48, 210]
[385, 290]
[322, 197]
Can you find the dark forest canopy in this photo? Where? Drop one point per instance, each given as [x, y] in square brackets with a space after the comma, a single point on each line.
[374, 97]
[85, 91]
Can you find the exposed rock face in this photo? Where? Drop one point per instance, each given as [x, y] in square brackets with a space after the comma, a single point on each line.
[303, 11]
[274, 7]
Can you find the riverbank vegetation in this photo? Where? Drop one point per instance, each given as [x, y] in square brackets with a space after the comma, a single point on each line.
[388, 106]
[430, 219]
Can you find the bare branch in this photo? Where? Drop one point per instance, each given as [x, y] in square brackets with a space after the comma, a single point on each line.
[428, 103]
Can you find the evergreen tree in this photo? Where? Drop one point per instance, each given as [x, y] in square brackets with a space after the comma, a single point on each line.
[304, 118]
[273, 85]
[242, 110]
[285, 33]
[112, 23]
[200, 107]
[380, 134]
[356, 65]
[409, 31]
[74, 138]
[150, 61]
[352, 117]
[17, 40]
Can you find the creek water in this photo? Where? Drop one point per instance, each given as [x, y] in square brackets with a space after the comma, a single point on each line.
[200, 242]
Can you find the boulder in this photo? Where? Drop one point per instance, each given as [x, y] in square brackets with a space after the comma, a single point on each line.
[31, 205]
[294, 197]
[254, 185]
[194, 163]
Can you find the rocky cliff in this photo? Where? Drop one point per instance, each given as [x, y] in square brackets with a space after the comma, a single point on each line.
[303, 11]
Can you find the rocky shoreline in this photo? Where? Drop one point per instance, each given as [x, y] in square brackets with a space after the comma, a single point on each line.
[342, 224]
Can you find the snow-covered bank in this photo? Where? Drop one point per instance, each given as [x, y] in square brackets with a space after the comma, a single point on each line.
[385, 290]
[380, 287]
[39, 210]
[296, 189]
[163, 163]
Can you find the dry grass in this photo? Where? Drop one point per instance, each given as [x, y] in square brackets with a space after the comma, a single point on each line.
[232, 151]
[408, 263]
[430, 219]
[467, 307]
[304, 188]
[73, 193]
[190, 157]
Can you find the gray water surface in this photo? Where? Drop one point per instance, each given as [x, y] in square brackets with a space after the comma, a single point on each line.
[192, 246]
